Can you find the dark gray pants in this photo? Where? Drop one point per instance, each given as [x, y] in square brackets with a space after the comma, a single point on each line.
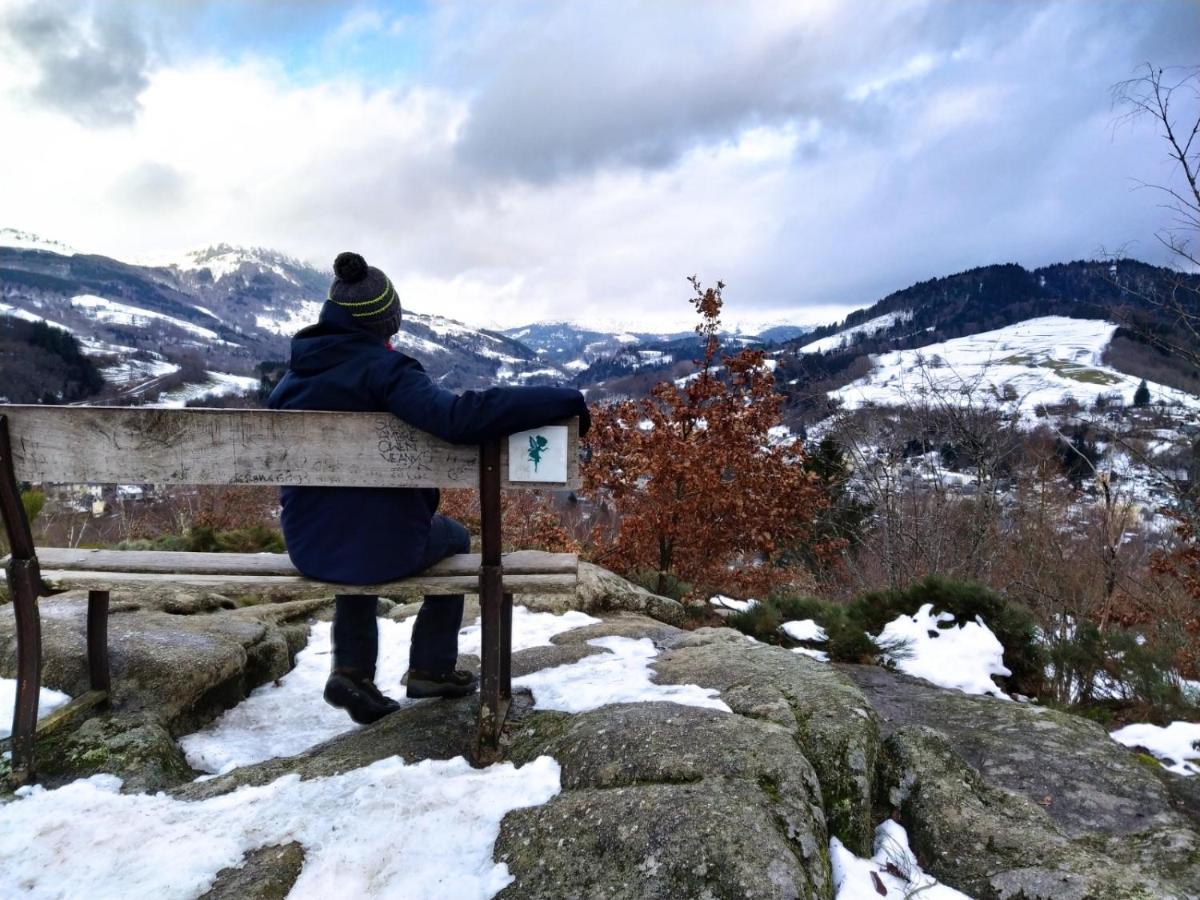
[435, 633]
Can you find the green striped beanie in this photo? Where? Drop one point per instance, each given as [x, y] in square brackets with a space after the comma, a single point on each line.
[366, 294]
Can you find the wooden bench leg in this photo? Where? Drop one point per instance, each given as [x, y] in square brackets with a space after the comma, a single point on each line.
[23, 581]
[495, 609]
[97, 641]
[493, 698]
[506, 614]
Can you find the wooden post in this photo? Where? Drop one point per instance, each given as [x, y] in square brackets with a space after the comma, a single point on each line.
[496, 640]
[97, 641]
[24, 585]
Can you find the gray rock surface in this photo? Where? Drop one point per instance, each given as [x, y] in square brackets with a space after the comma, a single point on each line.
[716, 838]
[830, 719]
[134, 746]
[184, 669]
[1086, 782]
[265, 874]
[601, 591]
[995, 844]
[678, 801]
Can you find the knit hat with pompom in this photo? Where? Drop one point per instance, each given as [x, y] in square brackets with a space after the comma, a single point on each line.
[366, 293]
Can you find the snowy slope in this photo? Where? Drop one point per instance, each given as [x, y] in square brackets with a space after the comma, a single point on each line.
[847, 336]
[24, 240]
[1038, 361]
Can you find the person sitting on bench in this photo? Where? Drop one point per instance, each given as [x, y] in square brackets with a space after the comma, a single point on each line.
[353, 535]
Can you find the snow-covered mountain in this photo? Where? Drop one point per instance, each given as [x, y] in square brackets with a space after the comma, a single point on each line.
[575, 348]
[209, 321]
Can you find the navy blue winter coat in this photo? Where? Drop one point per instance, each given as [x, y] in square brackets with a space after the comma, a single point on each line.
[369, 535]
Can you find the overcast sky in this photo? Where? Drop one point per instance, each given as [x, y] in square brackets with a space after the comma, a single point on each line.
[509, 162]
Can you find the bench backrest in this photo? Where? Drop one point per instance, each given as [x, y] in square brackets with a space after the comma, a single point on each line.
[108, 445]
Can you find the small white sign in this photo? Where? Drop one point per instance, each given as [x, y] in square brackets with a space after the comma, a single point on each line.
[538, 455]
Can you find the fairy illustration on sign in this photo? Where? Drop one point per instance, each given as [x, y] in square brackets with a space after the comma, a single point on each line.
[537, 445]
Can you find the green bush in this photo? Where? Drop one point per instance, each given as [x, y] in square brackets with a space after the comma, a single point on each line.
[847, 642]
[1012, 623]
[1113, 671]
[32, 501]
[848, 625]
[202, 539]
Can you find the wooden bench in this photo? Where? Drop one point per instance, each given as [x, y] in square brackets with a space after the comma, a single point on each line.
[109, 445]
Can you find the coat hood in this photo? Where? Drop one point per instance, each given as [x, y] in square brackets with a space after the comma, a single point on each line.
[335, 339]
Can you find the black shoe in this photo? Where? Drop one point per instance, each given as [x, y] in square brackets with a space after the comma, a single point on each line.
[358, 695]
[448, 684]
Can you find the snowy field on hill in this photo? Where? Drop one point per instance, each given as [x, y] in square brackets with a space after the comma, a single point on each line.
[846, 337]
[218, 384]
[113, 312]
[1043, 360]
[289, 716]
[291, 318]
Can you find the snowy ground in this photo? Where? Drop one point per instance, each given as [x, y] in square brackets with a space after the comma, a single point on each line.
[288, 717]
[961, 657]
[63, 843]
[414, 831]
[1042, 360]
[622, 675]
[892, 872]
[48, 701]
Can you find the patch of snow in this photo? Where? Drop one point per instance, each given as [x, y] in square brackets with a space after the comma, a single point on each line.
[804, 630]
[386, 830]
[846, 336]
[962, 657]
[114, 312]
[722, 602]
[621, 675]
[818, 655]
[48, 701]
[854, 878]
[576, 365]
[288, 717]
[1177, 745]
[529, 629]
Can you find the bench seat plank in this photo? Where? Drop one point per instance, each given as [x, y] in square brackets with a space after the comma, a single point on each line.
[279, 587]
[521, 562]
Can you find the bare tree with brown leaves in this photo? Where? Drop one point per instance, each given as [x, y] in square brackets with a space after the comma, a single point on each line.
[702, 492]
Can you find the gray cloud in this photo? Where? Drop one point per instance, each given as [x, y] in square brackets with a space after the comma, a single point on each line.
[90, 65]
[151, 188]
